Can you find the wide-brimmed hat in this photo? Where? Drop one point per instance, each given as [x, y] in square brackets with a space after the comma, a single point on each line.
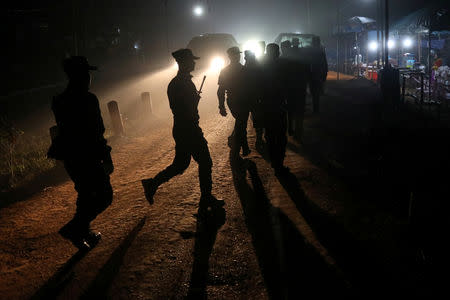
[233, 51]
[184, 55]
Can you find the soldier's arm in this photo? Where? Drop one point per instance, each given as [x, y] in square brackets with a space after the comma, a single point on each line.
[99, 126]
[56, 111]
[59, 118]
[221, 95]
[99, 130]
[221, 90]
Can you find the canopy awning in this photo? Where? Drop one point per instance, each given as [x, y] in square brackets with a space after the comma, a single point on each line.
[430, 18]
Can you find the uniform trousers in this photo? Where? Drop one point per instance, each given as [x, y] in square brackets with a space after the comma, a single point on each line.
[189, 142]
[94, 189]
[276, 137]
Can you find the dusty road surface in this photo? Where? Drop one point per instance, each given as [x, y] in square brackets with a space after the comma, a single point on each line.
[303, 235]
[258, 247]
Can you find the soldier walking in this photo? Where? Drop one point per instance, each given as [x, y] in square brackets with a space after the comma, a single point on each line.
[274, 108]
[296, 74]
[188, 136]
[319, 70]
[83, 149]
[231, 83]
[253, 81]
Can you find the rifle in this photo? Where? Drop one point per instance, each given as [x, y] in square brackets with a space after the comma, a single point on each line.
[201, 86]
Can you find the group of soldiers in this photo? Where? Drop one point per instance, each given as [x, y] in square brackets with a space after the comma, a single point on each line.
[271, 90]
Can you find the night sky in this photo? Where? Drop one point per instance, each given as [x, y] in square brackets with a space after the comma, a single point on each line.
[40, 34]
[262, 19]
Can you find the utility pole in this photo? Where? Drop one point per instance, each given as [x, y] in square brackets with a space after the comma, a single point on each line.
[75, 27]
[378, 34]
[308, 17]
[337, 39]
[386, 35]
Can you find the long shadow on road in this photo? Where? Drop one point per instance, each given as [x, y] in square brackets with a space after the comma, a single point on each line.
[60, 279]
[357, 258]
[291, 268]
[98, 289]
[207, 227]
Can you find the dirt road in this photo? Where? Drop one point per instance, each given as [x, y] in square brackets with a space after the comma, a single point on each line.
[259, 247]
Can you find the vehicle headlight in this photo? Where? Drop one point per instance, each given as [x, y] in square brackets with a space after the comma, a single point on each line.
[255, 47]
[217, 63]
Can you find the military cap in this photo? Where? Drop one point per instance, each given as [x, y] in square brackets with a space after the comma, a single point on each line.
[273, 47]
[75, 64]
[184, 55]
[286, 43]
[233, 51]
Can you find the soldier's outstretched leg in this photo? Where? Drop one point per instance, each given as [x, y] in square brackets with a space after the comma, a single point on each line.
[202, 156]
[240, 134]
[179, 165]
[276, 142]
[259, 144]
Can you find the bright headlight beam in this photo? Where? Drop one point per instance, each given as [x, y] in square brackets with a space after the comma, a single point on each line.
[373, 46]
[391, 44]
[217, 63]
[254, 46]
[198, 11]
[407, 43]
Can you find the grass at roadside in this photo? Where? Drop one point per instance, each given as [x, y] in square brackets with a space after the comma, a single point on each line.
[23, 158]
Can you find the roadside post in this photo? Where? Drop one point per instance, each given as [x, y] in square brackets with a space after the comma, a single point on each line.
[116, 119]
[147, 104]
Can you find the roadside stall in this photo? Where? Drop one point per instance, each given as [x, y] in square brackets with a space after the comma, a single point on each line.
[424, 67]
[355, 33]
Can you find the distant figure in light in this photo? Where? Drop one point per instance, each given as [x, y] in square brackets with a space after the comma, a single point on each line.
[232, 89]
[319, 70]
[273, 103]
[253, 79]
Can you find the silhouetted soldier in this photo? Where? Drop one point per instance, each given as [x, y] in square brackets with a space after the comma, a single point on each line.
[274, 111]
[286, 48]
[288, 61]
[319, 70]
[262, 46]
[296, 50]
[296, 73]
[82, 147]
[231, 82]
[188, 136]
[253, 80]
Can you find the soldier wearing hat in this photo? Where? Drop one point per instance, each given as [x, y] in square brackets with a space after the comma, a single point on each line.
[83, 149]
[318, 71]
[231, 83]
[296, 74]
[274, 107]
[253, 81]
[188, 136]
